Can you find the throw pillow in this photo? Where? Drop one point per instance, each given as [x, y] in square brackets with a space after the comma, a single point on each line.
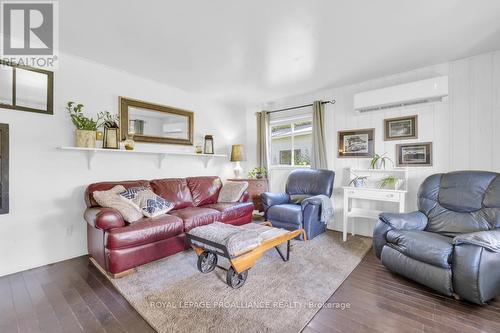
[232, 191]
[147, 201]
[112, 199]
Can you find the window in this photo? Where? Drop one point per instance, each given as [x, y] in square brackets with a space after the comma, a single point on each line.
[26, 89]
[4, 168]
[291, 142]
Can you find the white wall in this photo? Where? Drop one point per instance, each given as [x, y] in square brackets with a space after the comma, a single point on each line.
[45, 222]
[464, 129]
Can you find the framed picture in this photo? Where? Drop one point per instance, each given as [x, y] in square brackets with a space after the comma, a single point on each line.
[356, 143]
[414, 154]
[4, 168]
[401, 128]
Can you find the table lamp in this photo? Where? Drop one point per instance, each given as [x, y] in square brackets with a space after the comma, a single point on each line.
[237, 155]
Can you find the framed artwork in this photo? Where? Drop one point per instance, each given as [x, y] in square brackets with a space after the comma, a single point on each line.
[401, 128]
[414, 154]
[356, 143]
[4, 168]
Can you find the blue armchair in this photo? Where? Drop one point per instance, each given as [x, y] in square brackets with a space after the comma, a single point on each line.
[290, 211]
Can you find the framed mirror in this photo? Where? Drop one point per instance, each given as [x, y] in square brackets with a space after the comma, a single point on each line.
[148, 122]
[26, 88]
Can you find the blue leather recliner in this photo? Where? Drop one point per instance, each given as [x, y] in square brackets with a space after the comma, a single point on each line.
[452, 243]
[290, 211]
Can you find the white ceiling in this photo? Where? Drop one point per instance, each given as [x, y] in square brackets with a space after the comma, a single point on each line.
[254, 51]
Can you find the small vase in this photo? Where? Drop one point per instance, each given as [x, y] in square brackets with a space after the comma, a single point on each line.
[85, 138]
[378, 165]
[129, 144]
[359, 183]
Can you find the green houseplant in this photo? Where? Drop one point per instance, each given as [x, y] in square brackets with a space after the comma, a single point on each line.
[389, 182]
[85, 127]
[257, 172]
[379, 161]
[358, 181]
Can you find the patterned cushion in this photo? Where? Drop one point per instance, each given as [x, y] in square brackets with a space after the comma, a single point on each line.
[112, 199]
[147, 201]
[232, 191]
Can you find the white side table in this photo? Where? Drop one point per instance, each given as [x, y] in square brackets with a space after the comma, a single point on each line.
[366, 193]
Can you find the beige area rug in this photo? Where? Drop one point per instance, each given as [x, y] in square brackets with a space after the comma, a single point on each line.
[173, 296]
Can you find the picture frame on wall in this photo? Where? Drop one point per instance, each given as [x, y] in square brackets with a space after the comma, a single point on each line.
[401, 128]
[4, 168]
[414, 154]
[356, 143]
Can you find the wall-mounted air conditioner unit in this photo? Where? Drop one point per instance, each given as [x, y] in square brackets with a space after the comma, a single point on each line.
[424, 91]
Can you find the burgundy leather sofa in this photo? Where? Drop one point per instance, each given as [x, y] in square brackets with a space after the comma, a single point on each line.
[118, 246]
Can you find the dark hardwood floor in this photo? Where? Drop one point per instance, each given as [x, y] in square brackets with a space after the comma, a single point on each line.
[381, 301]
[73, 296]
[69, 296]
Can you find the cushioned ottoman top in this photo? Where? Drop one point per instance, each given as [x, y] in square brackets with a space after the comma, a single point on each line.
[265, 232]
[235, 239]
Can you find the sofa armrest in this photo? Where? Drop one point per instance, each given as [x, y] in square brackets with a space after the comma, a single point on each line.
[272, 199]
[404, 221]
[104, 218]
[390, 221]
[489, 240]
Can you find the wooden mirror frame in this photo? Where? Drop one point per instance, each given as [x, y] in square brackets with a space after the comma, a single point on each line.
[126, 102]
[50, 89]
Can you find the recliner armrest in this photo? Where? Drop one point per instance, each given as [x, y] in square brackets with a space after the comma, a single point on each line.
[487, 239]
[405, 221]
[272, 199]
[399, 221]
[104, 218]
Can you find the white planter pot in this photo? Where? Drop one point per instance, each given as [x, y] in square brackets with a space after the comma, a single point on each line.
[85, 138]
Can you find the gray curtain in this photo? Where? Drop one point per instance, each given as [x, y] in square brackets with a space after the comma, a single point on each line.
[262, 140]
[318, 156]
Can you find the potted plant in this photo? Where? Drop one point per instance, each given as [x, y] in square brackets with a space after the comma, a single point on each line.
[257, 172]
[379, 161]
[85, 127]
[358, 181]
[390, 182]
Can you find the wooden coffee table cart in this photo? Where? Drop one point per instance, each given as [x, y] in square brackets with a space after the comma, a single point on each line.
[238, 272]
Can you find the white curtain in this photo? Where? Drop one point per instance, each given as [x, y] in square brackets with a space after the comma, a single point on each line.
[318, 155]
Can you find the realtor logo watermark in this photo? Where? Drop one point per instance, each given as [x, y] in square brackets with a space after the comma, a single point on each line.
[29, 32]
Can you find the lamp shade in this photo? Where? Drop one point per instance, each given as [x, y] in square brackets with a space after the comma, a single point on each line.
[237, 153]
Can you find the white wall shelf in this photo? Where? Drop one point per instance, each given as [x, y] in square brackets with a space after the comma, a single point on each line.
[162, 155]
